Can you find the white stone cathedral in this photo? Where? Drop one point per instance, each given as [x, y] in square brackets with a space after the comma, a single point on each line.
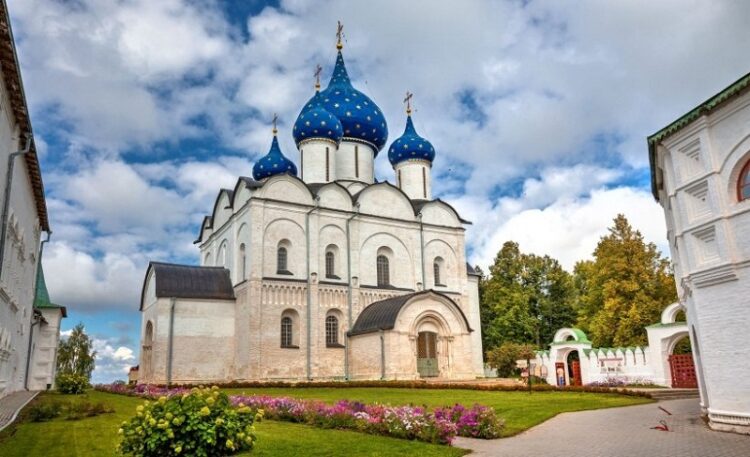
[323, 275]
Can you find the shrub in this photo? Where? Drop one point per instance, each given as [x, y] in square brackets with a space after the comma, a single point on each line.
[71, 383]
[200, 423]
[81, 409]
[44, 411]
[504, 357]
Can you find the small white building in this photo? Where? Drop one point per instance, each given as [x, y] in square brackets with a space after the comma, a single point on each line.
[23, 217]
[700, 174]
[329, 275]
[571, 360]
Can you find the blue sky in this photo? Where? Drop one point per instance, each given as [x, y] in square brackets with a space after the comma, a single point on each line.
[538, 111]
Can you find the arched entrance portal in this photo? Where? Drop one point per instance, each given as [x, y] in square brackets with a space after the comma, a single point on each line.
[574, 368]
[681, 363]
[427, 362]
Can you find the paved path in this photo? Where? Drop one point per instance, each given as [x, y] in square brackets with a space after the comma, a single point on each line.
[619, 432]
[11, 404]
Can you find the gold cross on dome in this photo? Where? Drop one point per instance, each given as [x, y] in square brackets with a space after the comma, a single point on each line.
[407, 100]
[275, 118]
[318, 69]
[339, 35]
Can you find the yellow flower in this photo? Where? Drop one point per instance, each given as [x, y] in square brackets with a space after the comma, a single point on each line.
[169, 416]
[139, 408]
[152, 422]
[162, 400]
[120, 431]
[210, 401]
[178, 449]
[219, 421]
[230, 444]
[205, 411]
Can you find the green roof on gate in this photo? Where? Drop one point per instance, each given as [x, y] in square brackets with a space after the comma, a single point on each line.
[41, 296]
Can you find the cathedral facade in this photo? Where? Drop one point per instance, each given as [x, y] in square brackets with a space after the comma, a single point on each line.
[321, 272]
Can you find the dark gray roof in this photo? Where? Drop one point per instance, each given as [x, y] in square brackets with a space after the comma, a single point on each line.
[381, 315]
[189, 281]
[315, 187]
[251, 183]
[471, 271]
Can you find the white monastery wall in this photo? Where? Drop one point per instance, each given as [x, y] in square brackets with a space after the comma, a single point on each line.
[44, 361]
[202, 344]
[701, 165]
[21, 256]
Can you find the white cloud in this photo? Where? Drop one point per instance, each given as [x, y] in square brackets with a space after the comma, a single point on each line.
[569, 228]
[86, 283]
[556, 95]
[112, 362]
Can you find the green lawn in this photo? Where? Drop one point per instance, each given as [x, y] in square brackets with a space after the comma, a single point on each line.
[520, 410]
[97, 436]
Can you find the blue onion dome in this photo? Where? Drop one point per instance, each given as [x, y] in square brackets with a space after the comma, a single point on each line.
[410, 146]
[273, 163]
[361, 119]
[315, 122]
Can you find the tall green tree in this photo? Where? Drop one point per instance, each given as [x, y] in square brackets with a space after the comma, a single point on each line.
[76, 354]
[525, 299]
[624, 288]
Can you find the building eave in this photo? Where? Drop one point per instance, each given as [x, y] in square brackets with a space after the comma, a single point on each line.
[715, 102]
[11, 72]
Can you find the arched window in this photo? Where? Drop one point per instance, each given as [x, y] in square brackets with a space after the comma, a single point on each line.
[243, 263]
[221, 260]
[146, 351]
[437, 270]
[281, 260]
[384, 276]
[332, 331]
[330, 264]
[743, 185]
[287, 335]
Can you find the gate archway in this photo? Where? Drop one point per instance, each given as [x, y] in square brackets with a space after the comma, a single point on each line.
[681, 364]
[574, 368]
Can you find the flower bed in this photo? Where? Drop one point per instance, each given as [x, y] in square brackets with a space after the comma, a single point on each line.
[599, 389]
[408, 422]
